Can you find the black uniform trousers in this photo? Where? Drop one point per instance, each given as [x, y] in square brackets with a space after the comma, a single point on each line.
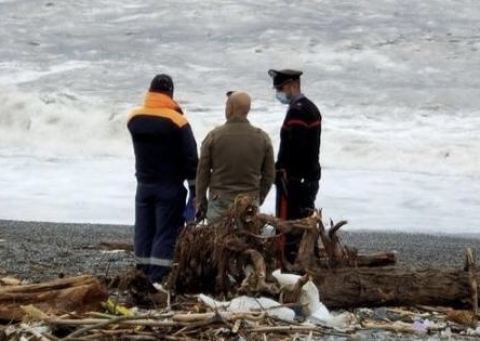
[295, 200]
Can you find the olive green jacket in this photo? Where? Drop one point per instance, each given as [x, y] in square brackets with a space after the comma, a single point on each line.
[235, 158]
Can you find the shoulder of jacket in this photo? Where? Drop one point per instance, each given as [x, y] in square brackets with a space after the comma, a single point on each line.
[209, 137]
[165, 113]
[260, 131]
[304, 109]
[263, 134]
[221, 129]
[215, 131]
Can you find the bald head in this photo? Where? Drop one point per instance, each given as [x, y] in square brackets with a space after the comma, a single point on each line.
[238, 104]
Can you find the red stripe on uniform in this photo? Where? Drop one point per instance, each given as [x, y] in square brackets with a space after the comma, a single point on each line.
[290, 123]
[283, 209]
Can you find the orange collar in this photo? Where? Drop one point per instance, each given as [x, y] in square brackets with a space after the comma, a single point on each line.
[158, 100]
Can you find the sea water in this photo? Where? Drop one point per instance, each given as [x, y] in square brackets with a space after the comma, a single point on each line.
[397, 82]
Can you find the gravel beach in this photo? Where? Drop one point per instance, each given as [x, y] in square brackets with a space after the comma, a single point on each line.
[39, 251]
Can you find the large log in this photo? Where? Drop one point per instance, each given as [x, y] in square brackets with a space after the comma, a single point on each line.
[76, 294]
[391, 286]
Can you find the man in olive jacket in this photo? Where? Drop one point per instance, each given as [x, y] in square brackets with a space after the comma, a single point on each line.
[235, 158]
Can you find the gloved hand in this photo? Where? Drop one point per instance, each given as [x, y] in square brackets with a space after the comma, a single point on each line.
[201, 212]
[280, 175]
[311, 189]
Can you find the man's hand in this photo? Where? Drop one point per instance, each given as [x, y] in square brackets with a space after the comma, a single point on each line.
[280, 176]
[201, 211]
[200, 215]
[311, 189]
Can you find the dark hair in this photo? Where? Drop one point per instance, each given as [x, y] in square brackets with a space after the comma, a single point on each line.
[162, 83]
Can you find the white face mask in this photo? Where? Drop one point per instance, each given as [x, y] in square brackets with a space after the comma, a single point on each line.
[282, 97]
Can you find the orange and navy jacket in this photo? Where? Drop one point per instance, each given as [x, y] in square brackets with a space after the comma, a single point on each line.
[163, 142]
[299, 150]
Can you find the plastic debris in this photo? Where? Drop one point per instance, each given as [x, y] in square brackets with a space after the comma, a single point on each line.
[309, 296]
[245, 304]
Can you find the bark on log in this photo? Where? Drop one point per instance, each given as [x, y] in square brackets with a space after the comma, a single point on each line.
[384, 258]
[75, 294]
[390, 286]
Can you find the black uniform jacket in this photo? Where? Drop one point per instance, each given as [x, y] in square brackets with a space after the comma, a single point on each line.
[299, 150]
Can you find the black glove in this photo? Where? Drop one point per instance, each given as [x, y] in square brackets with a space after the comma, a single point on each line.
[201, 213]
[280, 175]
[311, 189]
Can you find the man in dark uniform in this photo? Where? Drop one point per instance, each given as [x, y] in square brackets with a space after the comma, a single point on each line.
[165, 157]
[297, 167]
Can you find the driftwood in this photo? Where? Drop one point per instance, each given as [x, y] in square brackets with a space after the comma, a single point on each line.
[235, 254]
[187, 322]
[391, 286]
[232, 256]
[76, 294]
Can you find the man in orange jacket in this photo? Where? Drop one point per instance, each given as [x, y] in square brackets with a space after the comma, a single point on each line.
[165, 157]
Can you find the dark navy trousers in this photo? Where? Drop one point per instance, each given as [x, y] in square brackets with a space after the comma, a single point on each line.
[159, 218]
